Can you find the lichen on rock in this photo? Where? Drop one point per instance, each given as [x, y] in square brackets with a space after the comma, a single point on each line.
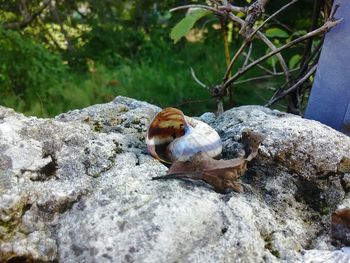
[77, 188]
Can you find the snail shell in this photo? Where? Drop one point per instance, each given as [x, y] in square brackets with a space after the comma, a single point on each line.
[172, 136]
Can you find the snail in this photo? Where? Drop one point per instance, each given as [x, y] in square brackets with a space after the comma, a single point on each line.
[172, 137]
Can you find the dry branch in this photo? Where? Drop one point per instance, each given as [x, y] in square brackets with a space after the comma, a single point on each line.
[325, 27]
[27, 18]
[224, 11]
[284, 93]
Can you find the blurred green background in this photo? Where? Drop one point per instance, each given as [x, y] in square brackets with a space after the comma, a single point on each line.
[78, 53]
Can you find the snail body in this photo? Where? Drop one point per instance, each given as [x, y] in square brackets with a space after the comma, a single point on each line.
[172, 136]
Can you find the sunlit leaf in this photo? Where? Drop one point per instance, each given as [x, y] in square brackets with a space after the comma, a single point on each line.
[184, 26]
[294, 61]
[276, 32]
[272, 61]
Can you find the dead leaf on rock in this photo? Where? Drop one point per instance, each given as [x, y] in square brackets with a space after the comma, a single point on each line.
[340, 226]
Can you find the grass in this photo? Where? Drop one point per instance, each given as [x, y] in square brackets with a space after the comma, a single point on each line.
[160, 75]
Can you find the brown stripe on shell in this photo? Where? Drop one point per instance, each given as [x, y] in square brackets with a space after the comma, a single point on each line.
[168, 123]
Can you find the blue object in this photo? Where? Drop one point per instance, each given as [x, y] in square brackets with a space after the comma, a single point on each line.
[329, 100]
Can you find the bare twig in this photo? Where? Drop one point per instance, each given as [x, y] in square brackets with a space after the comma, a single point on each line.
[220, 106]
[325, 27]
[193, 74]
[232, 8]
[27, 18]
[263, 38]
[269, 71]
[233, 60]
[184, 7]
[333, 11]
[191, 102]
[273, 16]
[225, 10]
[284, 26]
[258, 65]
[278, 55]
[248, 54]
[226, 6]
[253, 79]
[253, 13]
[284, 93]
[268, 42]
[294, 97]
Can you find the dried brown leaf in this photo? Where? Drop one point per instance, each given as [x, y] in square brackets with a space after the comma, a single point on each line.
[340, 226]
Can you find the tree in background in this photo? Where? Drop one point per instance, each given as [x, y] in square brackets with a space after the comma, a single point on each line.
[67, 54]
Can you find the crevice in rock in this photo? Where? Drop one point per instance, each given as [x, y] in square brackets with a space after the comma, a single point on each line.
[26, 208]
[137, 160]
[68, 205]
[322, 195]
[20, 259]
[26, 259]
[268, 239]
[345, 182]
[50, 169]
[51, 207]
[46, 172]
[310, 193]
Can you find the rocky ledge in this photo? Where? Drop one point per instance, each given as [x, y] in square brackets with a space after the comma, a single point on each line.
[77, 188]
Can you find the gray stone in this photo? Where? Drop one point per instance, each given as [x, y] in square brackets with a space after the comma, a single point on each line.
[78, 188]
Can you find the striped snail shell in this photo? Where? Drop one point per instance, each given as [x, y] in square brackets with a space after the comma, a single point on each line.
[172, 136]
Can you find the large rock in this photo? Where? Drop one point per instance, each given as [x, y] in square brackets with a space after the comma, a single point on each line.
[78, 188]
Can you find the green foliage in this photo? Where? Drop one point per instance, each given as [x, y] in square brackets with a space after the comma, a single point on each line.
[276, 32]
[123, 48]
[28, 71]
[294, 61]
[110, 44]
[185, 25]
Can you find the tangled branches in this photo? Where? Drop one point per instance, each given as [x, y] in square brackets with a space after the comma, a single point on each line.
[249, 31]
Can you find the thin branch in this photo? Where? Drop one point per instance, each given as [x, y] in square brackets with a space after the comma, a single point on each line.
[294, 97]
[254, 78]
[334, 10]
[191, 102]
[232, 8]
[253, 13]
[286, 27]
[325, 27]
[236, 19]
[315, 52]
[273, 16]
[194, 6]
[27, 19]
[233, 60]
[292, 88]
[226, 6]
[242, 23]
[258, 65]
[268, 42]
[264, 39]
[269, 71]
[193, 74]
[278, 55]
[248, 55]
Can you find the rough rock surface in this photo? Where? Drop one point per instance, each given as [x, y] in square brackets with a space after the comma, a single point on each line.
[78, 188]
